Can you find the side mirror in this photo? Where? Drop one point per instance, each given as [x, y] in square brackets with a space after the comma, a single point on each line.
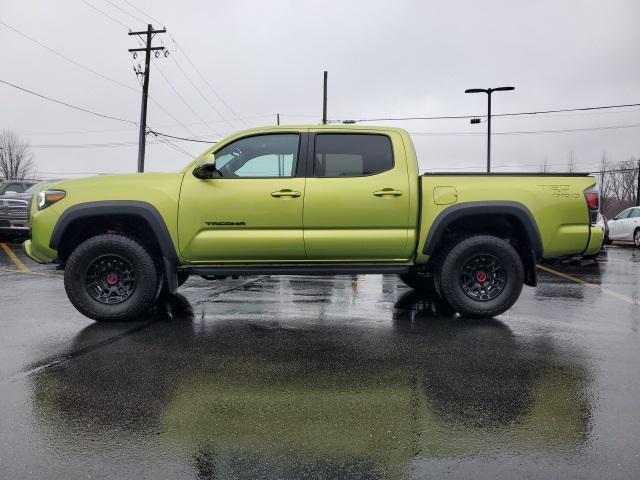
[206, 171]
[616, 217]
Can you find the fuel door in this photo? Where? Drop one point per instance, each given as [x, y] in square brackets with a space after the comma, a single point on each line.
[445, 195]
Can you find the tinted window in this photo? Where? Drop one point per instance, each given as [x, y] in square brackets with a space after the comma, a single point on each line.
[352, 155]
[635, 213]
[265, 156]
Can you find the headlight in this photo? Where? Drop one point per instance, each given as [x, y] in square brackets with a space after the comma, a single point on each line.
[49, 197]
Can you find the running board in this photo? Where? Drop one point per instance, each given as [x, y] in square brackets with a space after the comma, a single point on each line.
[296, 270]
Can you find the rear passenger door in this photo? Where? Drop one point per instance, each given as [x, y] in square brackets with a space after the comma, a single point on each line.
[356, 204]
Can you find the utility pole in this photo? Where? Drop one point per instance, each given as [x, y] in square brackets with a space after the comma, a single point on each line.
[324, 100]
[149, 33]
[638, 190]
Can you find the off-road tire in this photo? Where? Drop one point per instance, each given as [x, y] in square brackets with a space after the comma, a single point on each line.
[142, 265]
[451, 276]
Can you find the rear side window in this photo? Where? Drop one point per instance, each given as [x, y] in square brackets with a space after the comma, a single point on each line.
[352, 155]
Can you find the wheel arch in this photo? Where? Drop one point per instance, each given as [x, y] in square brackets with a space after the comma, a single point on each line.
[496, 217]
[103, 212]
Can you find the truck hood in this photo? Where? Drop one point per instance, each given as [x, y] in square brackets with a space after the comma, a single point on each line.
[157, 189]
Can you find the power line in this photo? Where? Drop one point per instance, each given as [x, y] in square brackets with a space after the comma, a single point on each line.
[125, 11]
[143, 13]
[64, 57]
[512, 114]
[206, 81]
[527, 132]
[199, 91]
[182, 98]
[153, 132]
[175, 147]
[75, 107]
[177, 124]
[105, 14]
[94, 72]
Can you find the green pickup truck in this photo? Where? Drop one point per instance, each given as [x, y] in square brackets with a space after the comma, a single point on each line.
[319, 200]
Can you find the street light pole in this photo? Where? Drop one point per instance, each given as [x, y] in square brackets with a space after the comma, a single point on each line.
[489, 91]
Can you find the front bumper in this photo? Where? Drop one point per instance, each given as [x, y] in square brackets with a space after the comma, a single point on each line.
[35, 255]
[17, 226]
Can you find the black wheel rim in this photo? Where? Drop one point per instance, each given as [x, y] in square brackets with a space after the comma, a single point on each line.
[110, 279]
[483, 278]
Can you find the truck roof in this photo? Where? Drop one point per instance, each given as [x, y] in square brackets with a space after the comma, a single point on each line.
[318, 127]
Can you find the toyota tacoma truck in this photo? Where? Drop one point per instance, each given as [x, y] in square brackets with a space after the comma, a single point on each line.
[318, 200]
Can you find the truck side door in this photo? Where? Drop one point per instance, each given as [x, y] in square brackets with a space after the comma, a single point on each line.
[357, 198]
[253, 210]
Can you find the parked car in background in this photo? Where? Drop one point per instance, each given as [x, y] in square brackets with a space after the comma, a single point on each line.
[14, 208]
[603, 223]
[626, 226]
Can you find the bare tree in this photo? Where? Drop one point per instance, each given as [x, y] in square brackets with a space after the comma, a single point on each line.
[16, 161]
[571, 162]
[544, 165]
[605, 182]
[618, 185]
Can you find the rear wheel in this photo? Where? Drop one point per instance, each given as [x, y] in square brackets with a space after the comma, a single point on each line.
[481, 277]
[111, 278]
[636, 238]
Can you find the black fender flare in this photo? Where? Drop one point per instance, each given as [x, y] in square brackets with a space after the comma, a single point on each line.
[140, 209]
[503, 208]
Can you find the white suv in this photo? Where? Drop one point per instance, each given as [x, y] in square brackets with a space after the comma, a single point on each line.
[626, 226]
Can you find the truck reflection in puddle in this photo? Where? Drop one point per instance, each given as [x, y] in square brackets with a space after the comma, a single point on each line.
[256, 399]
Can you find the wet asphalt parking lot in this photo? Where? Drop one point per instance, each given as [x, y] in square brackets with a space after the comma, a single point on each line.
[323, 378]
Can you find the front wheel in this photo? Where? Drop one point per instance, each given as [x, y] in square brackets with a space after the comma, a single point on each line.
[481, 277]
[636, 238]
[111, 278]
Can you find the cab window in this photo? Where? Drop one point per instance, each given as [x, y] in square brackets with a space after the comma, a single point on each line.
[635, 213]
[261, 156]
[352, 155]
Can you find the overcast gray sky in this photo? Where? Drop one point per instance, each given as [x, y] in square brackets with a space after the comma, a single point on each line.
[401, 58]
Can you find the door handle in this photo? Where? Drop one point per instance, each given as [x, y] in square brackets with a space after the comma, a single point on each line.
[387, 192]
[285, 192]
